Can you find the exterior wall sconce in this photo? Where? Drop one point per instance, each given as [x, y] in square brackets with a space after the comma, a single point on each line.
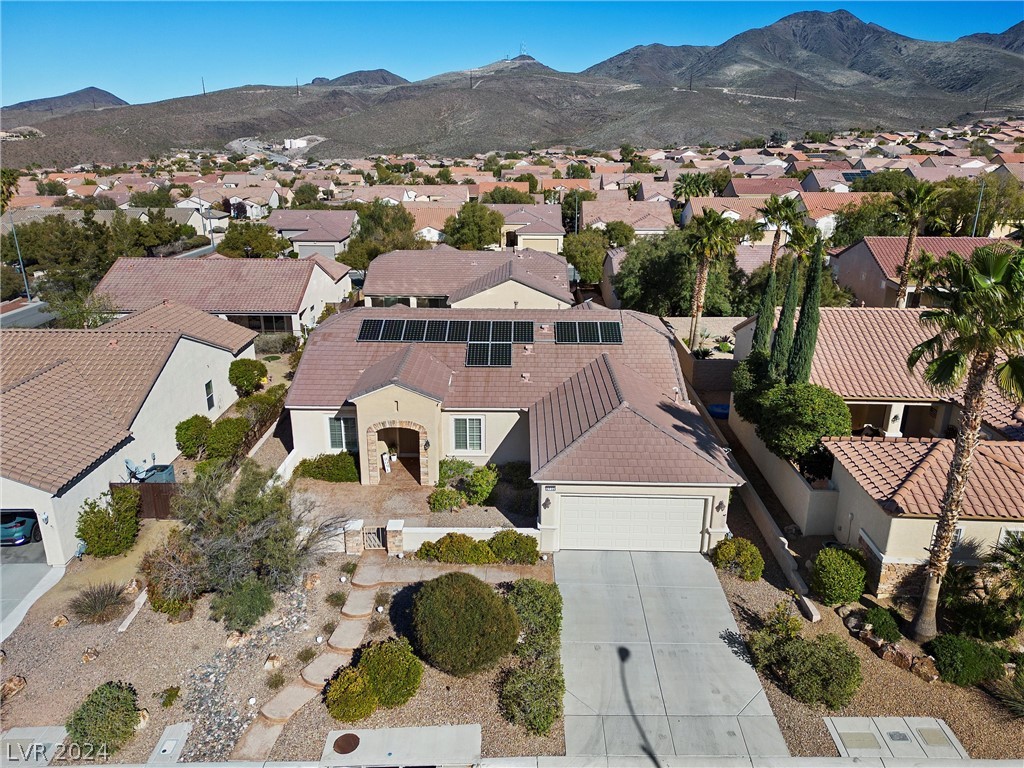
[546, 504]
[426, 445]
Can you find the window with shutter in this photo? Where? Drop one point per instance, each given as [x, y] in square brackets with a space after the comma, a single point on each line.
[469, 434]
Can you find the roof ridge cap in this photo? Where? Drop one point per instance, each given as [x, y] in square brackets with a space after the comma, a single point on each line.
[37, 373]
[615, 379]
[894, 502]
[1000, 460]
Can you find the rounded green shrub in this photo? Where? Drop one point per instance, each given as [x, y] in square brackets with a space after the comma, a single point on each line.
[819, 671]
[191, 434]
[532, 696]
[246, 375]
[332, 467]
[445, 499]
[739, 556]
[794, 418]
[456, 548]
[451, 470]
[538, 605]
[107, 716]
[883, 624]
[392, 670]
[461, 625]
[349, 696]
[964, 661]
[262, 408]
[838, 576]
[243, 605]
[109, 524]
[513, 547]
[226, 438]
[480, 483]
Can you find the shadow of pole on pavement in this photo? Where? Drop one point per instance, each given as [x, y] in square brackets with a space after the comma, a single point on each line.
[624, 655]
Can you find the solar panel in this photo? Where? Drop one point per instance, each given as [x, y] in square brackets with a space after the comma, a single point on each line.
[370, 330]
[589, 334]
[414, 330]
[611, 333]
[565, 333]
[522, 332]
[392, 330]
[501, 330]
[458, 330]
[480, 330]
[478, 355]
[437, 330]
[501, 355]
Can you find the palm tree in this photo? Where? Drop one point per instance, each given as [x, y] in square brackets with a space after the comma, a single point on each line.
[914, 205]
[710, 237]
[780, 213]
[1007, 560]
[692, 185]
[979, 339]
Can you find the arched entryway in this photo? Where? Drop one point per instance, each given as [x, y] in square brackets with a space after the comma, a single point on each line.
[407, 440]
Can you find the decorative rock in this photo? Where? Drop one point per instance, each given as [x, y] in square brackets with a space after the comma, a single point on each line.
[252, 701]
[12, 685]
[924, 667]
[59, 621]
[872, 642]
[853, 622]
[898, 656]
[1010, 670]
[311, 581]
[133, 587]
[143, 720]
[3, 656]
[273, 661]
[235, 639]
[91, 654]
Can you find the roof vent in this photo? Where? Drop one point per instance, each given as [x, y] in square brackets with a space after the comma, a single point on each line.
[112, 344]
[526, 376]
[528, 349]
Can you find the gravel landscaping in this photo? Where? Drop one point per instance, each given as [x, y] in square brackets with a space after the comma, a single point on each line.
[981, 724]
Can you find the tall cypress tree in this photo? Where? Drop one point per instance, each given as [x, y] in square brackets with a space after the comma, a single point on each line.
[765, 318]
[783, 341]
[798, 370]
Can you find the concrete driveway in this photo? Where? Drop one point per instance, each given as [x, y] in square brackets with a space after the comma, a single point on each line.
[24, 577]
[650, 667]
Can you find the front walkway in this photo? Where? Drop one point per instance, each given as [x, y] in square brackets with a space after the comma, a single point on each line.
[654, 663]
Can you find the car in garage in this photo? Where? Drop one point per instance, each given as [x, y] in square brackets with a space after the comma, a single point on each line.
[19, 526]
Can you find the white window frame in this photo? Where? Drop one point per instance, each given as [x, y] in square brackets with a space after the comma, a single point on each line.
[958, 536]
[211, 400]
[1009, 529]
[346, 443]
[468, 451]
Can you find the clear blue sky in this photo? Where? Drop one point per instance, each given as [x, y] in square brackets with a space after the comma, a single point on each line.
[148, 51]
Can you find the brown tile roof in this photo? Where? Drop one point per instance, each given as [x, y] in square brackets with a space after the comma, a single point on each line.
[315, 226]
[907, 477]
[194, 323]
[335, 269]
[212, 285]
[639, 215]
[744, 207]
[764, 186]
[607, 423]
[531, 219]
[888, 251]
[55, 427]
[569, 184]
[517, 270]
[432, 215]
[818, 205]
[450, 272]
[412, 368]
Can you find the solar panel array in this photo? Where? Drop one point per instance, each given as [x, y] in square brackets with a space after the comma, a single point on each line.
[489, 354]
[440, 331]
[588, 332]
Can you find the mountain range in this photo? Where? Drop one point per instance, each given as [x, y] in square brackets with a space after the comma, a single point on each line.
[808, 71]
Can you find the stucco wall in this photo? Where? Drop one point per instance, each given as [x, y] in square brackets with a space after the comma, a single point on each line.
[550, 244]
[394, 403]
[321, 291]
[506, 436]
[744, 341]
[510, 295]
[607, 290]
[413, 538]
[857, 270]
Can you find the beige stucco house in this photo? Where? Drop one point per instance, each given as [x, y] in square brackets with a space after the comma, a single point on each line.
[535, 227]
[593, 399]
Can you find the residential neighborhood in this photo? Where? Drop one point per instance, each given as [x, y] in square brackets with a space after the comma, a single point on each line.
[605, 453]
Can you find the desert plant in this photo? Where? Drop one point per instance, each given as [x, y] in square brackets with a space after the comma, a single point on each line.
[191, 434]
[226, 438]
[328, 627]
[513, 547]
[838, 576]
[461, 625]
[538, 605]
[964, 661]
[378, 623]
[332, 467]
[780, 627]
[819, 671]
[107, 716]
[392, 670]
[349, 568]
[739, 556]
[480, 483]
[445, 499]
[276, 680]
[306, 655]
[985, 617]
[275, 343]
[450, 470]
[246, 375]
[532, 696]
[382, 599]
[243, 605]
[99, 603]
[1010, 692]
[169, 695]
[1006, 561]
[336, 599]
[262, 408]
[883, 624]
[456, 548]
[109, 524]
[349, 696]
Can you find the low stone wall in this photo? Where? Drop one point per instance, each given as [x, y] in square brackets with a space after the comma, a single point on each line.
[413, 538]
[889, 579]
[708, 375]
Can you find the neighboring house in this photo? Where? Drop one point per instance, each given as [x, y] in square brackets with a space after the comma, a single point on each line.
[655, 191]
[313, 231]
[735, 208]
[264, 295]
[536, 227]
[820, 208]
[76, 404]
[645, 218]
[430, 219]
[612, 264]
[739, 187]
[621, 459]
[392, 194]
[870, 268]
[890, 492]
[446, 277]
[827, 180]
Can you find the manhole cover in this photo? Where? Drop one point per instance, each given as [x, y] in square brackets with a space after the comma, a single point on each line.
[898, 736]
[346, 743]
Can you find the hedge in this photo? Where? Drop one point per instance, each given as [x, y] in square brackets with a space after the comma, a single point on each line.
[246, 375]
[349, 696]
[108, 717]
[332, 467]
[392, 670]
[532, 696]
[191, 435]
[964, 661]
[276, 343]
[109, 524]
[838, 576]
[515, 548]
[226, 438]
[507, 546]
[538, 605]
[444, 499]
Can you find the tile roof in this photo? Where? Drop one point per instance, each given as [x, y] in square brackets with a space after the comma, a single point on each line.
[194, 323]
[888, 251]
[818, 205]
[212, 285]
[907, 476]
[744, 207]
[764, 186]
[315, 226]
[532, 219]
[55, 427]
[335, 269]
[451, 272]
[607, 423]
[639, 215]
[412, 368]
[432, 215]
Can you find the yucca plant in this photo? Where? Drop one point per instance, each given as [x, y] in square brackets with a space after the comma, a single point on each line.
[1010, 693]
[99, 603]
[1007, 561]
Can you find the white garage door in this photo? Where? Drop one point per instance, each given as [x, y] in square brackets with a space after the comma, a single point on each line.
[651, 523]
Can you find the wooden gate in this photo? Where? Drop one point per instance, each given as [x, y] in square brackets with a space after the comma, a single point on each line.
[154, 498]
